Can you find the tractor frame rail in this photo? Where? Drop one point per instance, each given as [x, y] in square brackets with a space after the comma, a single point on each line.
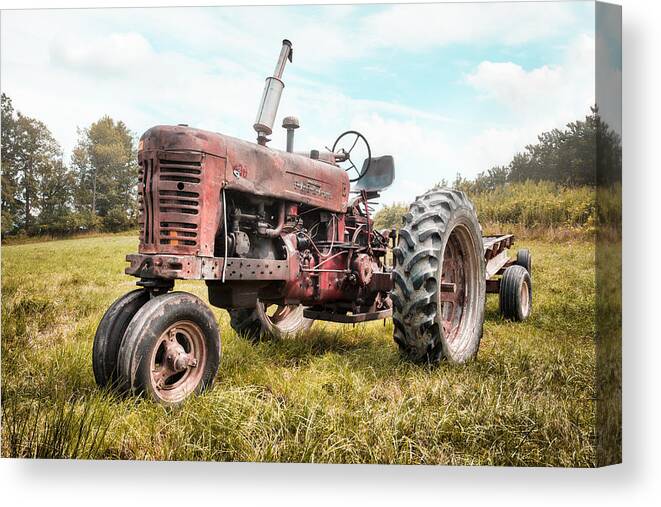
[496, 255]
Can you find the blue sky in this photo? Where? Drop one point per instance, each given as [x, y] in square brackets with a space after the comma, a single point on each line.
[445, 88]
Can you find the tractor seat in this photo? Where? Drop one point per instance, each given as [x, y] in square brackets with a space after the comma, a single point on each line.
[380, 175]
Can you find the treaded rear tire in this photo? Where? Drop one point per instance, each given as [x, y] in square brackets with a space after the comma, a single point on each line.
[515, 293]
[440, 230]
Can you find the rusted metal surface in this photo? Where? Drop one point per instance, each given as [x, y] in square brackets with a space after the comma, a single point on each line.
[453, 287]
[177, 360]
[190, 267]
[181, 172]
[185, 226]
[261, 171]
[347, 318]
[362, 266]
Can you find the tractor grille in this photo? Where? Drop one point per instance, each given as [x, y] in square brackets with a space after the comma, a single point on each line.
[170, 185]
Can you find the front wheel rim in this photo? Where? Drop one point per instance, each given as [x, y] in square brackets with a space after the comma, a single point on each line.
[177, 361]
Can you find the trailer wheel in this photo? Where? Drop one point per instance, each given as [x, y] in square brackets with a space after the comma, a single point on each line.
[515, 293]
[524, 259]
[439, 279]
[110, 332]
[171, 348]
[276, 321]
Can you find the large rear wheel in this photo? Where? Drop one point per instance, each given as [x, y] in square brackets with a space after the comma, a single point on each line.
[276, 321]
[439, 279]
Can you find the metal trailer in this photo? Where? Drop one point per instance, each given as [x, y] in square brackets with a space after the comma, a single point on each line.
[509, 277]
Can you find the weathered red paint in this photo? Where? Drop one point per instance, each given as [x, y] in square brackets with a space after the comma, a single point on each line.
[261, 171]
[181, 174]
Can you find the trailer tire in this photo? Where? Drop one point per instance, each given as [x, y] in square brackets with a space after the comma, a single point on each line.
[440, 246]
[255, 323]
[515, 293]
[109, 335]
[171, 349]
[524, 259]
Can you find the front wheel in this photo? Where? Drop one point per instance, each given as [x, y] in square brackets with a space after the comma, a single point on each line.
[110, 332]
[171, 349]
[439, 279]
[275, 321]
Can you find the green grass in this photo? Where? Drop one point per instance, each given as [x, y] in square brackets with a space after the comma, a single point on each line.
[337, 394]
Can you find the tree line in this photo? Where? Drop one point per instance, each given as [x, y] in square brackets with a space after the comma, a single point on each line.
[44, 194]
[566, 158]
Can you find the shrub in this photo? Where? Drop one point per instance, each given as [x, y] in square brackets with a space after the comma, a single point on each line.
[116, 220]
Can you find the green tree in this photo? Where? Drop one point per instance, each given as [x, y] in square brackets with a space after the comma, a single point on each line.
[390, 216]
[8, 184]
[29, 151]
[104, 160]
[568, 156]
[55, 198]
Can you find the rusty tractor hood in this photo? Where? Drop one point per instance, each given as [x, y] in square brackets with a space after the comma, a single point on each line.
[254, 169]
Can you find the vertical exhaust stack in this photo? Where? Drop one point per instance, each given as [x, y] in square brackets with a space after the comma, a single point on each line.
[273, 87]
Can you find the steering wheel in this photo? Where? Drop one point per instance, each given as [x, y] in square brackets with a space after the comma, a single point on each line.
[345, 156]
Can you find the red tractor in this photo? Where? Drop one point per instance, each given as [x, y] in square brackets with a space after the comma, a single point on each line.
[284, 238]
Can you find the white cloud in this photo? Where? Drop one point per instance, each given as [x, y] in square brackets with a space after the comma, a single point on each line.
[510, 84]
[549, 91]
[121, 53]
[68, 69]
[532, 101]
[517, 23]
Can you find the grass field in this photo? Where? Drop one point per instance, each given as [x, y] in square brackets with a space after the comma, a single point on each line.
[337, 394]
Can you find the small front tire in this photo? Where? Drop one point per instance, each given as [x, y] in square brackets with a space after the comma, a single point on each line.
[171, 349]
[109, 335]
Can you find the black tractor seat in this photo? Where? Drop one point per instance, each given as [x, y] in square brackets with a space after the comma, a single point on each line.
[379, 176]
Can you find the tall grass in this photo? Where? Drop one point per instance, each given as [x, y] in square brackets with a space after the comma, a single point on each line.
[336, 394]
[56, 428]
[538, 204]
[540, 210]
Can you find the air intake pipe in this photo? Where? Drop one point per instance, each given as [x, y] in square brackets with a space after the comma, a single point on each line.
[273, 87]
